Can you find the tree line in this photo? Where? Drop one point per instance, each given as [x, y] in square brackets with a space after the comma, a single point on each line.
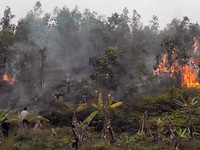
[71, 37]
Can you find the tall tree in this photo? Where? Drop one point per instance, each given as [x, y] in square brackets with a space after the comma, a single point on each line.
[37, 9]
[6, 20]
[154, 24]
[7, 32]
[106, 69]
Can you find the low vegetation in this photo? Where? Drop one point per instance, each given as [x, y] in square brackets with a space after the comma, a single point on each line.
[149, 128]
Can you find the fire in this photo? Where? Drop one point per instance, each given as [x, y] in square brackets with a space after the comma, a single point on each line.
[189, 77]
[164, 68]
[188, 73]
[8, 79]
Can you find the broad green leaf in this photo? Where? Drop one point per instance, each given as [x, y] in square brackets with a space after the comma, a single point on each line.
[54, 131]
[1, 115]
[97, 106]
[14, 121]
[117, 104]
[184, 101]
[110, 101]
[69, 106]
[182, 133]
[179, 103]
[100, 99]
[82, 107]
[88, 119]
[13, 118]
[194, 101]
[31, 117]
[42, 118]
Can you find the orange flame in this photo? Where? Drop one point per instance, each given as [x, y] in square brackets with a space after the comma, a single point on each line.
[188, 73]
[8, 79]
[189, 77]
[163, 68]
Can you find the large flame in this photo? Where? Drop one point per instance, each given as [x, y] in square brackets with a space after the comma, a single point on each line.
[8, 79]
[189, 77]
[188, 73]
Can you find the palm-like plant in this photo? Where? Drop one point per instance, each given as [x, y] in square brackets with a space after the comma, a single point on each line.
[2, 117]
[189, 103]
[80, 128]
[37, 119]
[7, 117]
[10, 117]
[103, 107]
[31, 117]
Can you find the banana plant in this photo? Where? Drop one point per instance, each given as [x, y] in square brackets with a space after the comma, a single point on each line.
[103, 107]
[189, 103]
[80, 128]
[2, 119]
[38, 120]
[31, 117]
[7, 117]
[180, 134]
[13, 118]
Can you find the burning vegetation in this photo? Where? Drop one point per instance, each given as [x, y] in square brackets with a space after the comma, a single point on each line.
[185, 69]
[8, 79]
[54, 63]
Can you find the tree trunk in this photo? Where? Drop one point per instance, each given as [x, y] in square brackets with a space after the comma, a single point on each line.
[108, 133]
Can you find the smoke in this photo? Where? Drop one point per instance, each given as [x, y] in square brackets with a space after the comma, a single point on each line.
[54, 50]
[66, 58]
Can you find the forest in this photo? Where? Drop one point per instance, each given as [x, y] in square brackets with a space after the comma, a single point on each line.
[95, 82]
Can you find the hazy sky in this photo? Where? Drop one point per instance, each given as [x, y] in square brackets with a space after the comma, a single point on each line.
[166, 10]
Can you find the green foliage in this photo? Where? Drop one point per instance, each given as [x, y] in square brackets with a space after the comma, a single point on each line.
[106, 68]
[126, 124]
[6, 20]
[40, 140]
[87, 121]
[33, 117]
[132, 89]
[7, 33]
[69, 30]
[189, 102]
[6, 38]
[182, 133]
[139, 142]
